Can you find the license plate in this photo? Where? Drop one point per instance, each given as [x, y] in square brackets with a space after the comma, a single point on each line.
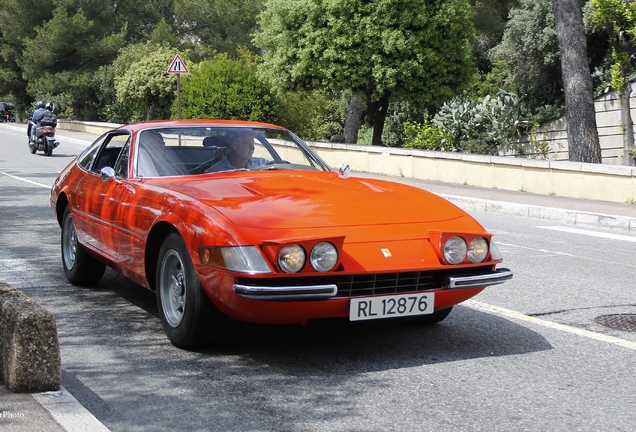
[394, 306]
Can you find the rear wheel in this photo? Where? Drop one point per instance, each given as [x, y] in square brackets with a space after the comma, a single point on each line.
[433, 318]
[49, 149]
[79, 267]
[187, 314]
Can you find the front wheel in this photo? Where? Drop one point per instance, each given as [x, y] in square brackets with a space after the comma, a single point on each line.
[186, 312]
[79, 267]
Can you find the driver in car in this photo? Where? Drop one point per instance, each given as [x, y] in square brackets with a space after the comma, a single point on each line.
[239, 154]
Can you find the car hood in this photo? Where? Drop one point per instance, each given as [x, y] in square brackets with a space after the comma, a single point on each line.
[308, 199]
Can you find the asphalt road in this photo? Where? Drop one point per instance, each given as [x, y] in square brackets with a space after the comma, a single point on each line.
[526, 355]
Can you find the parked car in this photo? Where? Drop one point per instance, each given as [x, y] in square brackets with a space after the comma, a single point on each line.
[238, 221]
[7, 112]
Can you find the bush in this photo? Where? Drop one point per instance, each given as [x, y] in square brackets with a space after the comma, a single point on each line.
[483, 126]
[226, 88]
[426, 136]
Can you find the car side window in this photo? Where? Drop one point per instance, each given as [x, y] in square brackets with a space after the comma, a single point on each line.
[110, 152]
[86, 158]
[121, 166]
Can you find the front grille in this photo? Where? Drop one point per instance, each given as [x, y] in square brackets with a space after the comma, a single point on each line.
[373, 283]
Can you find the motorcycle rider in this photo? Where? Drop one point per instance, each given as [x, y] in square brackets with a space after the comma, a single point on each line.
[32, 124]
[47, 117]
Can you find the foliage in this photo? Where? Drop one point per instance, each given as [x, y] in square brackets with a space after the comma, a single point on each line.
[226, 88]
[618, 17]
[217, 25]
[427, 136]
[381, 50]
[483, 126]
[312, 115]
[141, 80]
[530, 52]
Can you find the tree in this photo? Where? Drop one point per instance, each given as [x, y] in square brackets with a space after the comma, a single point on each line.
[530, 51]
[226, 88]
[141, 80]
[381, 50]
[217, 25]
[580, 114]
[18, 20]
[618, 17]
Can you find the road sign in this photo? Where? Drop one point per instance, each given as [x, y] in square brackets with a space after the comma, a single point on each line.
[178, 66]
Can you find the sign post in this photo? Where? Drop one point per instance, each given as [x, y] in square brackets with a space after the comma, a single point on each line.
[178, 67]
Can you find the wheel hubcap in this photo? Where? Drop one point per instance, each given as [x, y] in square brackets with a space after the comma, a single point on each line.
[172, 288]
[69, 243]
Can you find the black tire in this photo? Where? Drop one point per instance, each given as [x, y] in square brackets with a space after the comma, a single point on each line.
[187, 314]
[32, 149]
[49, 149]
[433, 318]
[80, 268]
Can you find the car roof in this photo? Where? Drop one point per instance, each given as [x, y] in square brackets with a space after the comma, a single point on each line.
[157, 124]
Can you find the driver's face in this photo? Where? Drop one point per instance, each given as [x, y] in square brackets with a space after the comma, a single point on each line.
[243, 147]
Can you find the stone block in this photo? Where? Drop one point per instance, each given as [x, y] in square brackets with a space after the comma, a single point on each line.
[29, 347]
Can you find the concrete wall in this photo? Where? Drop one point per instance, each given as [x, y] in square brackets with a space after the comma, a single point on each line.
[610, 133]
[572, 179]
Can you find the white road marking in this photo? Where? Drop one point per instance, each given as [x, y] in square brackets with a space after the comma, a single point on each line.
[534, 249]
[591, 233]
[25, 180]
[495, 310]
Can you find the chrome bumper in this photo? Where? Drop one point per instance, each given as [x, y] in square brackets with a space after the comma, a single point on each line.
[319, 292]
[497, 277]
[286, 293]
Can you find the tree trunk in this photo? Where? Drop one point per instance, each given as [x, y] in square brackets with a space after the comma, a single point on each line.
[627, 124]
[354, 120]
[583, 140]
[378, 120]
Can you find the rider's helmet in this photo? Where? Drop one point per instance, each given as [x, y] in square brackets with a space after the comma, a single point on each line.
[49, 106]
[41, 104]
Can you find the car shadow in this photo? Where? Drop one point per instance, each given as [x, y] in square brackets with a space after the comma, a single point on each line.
[355, 347]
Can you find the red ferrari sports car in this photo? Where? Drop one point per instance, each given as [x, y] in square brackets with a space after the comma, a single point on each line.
[241, 221]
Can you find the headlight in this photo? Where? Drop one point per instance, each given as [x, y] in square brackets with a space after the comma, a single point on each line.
[455, 250]
[478, 250]
[323, 257]
[243, 259]
[291, 258]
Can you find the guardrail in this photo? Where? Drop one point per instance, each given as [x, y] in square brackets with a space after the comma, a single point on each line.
[571, 179]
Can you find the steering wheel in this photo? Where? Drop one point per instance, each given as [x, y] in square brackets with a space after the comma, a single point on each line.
[199, 169]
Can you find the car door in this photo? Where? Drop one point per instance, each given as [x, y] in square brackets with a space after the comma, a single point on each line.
[98, 200]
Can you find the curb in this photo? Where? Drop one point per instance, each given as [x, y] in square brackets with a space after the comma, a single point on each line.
[564, 216]
[68, 412]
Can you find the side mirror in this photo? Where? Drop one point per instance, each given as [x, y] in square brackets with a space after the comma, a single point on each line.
[107, 173]
[344, 170]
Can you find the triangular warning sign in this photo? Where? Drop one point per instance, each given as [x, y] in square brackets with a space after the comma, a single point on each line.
[178, 66]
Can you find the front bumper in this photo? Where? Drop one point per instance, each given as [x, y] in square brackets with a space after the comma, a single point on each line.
[325, 291]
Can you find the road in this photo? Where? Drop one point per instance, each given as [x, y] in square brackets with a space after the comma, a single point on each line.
[526, 355]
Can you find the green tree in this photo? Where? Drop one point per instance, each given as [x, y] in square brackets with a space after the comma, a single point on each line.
[530, 52]
[142, 82]
[217, 25]
[18, 20]
[381, 50]
[227, 88]
[618, 17]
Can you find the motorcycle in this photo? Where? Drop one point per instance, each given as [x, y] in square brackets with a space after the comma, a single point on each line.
[43, 140]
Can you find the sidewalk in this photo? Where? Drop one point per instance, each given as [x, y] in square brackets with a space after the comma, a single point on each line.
[59, 411]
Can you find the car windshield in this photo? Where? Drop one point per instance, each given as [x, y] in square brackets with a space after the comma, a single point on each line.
[204, 150]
